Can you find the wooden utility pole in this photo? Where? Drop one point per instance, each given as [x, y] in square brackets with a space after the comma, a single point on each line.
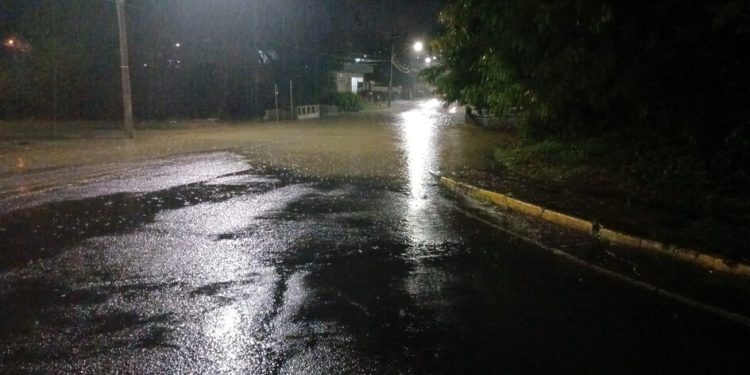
[291, 99]
[390, 79]
[127, 104]
[54, 74]
[256, 60]
[276, 99]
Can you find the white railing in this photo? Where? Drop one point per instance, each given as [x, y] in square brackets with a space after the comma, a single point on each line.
[305, 112]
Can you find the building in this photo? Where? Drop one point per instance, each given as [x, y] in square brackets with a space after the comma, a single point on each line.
[352, 77]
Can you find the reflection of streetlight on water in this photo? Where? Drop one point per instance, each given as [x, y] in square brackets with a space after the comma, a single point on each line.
[424, 222]
[418, 130]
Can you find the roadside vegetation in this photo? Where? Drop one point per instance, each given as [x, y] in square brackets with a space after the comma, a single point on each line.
[658, 192]
[347, 101]
[648, 97]
[629, 167]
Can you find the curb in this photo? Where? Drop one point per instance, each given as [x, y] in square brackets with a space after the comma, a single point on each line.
[707, 261]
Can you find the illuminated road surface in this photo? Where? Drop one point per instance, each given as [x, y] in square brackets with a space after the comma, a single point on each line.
[211, 263]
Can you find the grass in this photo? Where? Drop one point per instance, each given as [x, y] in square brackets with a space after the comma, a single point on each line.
[673, 175]
[654, 188]
[549, 159]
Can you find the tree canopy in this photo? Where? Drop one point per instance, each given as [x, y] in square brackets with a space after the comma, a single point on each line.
[677, 69]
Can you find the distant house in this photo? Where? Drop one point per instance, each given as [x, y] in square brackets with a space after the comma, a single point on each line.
[352, 77]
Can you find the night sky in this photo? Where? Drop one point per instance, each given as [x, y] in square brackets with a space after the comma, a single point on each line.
[196, 47]
[368, 22]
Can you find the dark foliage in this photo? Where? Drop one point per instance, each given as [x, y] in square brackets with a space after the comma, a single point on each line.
[347, 101]
[662, 73]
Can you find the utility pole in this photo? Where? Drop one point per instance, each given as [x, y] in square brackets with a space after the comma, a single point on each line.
[257, 64]
[291, 99]
[54, 75]
[276, 99]
[127, 104]
[390, 79]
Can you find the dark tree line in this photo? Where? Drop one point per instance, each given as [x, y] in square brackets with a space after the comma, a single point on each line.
[664, 70]
[189, 58]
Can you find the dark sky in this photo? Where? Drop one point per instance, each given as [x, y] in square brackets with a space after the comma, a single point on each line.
[412, 16]
[378, 19]
[359, 26]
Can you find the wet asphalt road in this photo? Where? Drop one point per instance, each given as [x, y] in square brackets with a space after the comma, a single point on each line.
[210, 263]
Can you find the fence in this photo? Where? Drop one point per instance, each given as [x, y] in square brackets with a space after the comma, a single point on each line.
[305, 112]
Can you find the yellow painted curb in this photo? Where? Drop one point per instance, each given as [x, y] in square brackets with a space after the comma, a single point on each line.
[526, 208]
[568, 221]
[698, 258]
[619, 238]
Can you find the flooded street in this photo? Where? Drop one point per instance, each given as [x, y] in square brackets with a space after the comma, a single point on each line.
[318, 250]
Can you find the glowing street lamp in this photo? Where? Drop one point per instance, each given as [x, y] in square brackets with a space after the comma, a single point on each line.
[427, 60]
[417, 46]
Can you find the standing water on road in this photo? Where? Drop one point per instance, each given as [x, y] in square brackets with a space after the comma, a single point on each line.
[315, 249]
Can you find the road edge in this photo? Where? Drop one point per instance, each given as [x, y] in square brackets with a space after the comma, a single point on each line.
[694, 257]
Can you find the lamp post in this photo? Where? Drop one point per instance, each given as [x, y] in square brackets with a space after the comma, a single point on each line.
[418, 47]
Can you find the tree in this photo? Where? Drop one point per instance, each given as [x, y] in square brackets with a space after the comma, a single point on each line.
[591, 66]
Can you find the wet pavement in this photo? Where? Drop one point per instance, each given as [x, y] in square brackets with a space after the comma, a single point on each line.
[227, 262]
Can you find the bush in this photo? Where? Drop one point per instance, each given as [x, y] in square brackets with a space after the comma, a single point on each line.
[347, 101]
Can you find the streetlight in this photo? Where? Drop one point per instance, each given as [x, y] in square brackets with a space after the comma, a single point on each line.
[418, 47]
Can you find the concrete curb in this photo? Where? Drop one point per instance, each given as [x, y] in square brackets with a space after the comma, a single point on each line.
[711, 262]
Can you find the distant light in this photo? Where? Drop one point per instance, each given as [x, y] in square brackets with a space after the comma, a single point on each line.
[427, 60]
[16, 45]
[434, 58]
[145, 65]
[418, 46]
[357, 59]
[178, 45]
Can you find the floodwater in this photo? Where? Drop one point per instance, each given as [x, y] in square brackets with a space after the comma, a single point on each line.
[314, 254]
